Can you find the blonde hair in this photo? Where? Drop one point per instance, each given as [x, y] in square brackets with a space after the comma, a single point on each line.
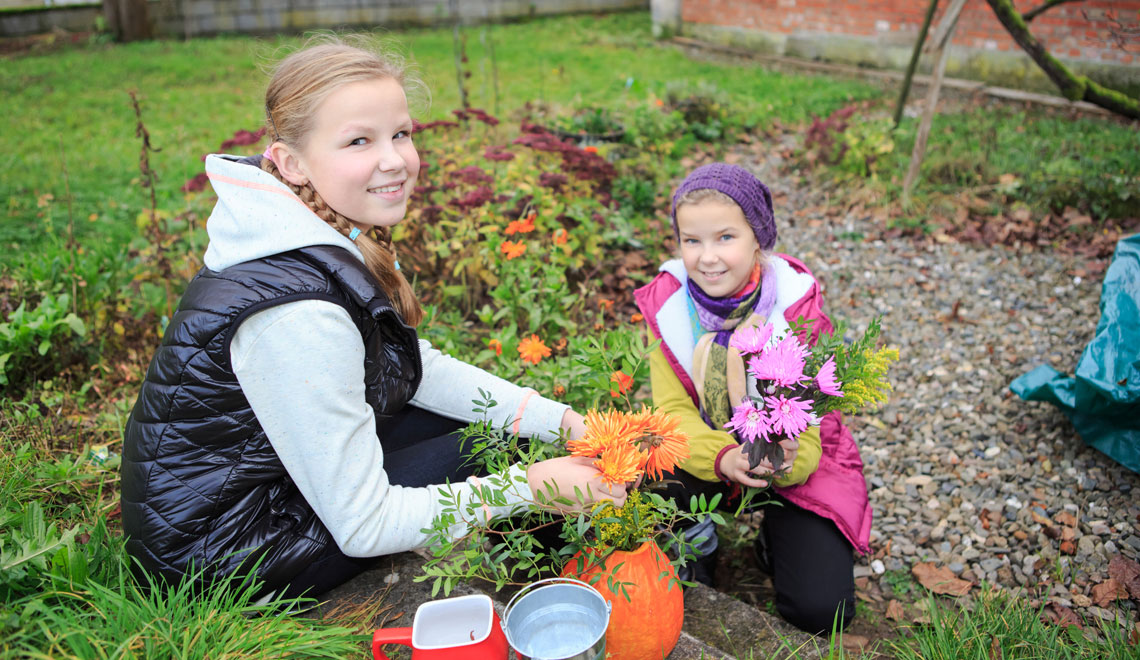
[703, 195]
[300, 83]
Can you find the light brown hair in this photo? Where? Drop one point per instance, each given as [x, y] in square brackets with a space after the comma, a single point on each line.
[299, 84]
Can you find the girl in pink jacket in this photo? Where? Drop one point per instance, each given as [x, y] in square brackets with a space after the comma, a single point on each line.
[728, 279]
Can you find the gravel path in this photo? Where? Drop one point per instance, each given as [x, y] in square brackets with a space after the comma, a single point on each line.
[961, 472]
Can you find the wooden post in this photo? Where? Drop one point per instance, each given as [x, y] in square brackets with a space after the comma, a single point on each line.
[941, 44]
[914, 61]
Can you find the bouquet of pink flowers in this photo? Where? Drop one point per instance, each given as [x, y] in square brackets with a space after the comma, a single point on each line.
[796, 385]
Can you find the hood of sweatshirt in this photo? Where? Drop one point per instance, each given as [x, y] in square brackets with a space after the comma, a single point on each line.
[257, 216]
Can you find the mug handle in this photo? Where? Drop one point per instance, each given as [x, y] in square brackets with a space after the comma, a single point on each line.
[389, 636]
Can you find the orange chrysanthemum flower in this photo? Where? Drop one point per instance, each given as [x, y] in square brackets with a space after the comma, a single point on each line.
[620, 384]
[603, 430]
[560, 237]
[619, 464]
[636, 318]
[524, 226]
[533, 350]
[658, 436]
[496, 345]
[512, 249]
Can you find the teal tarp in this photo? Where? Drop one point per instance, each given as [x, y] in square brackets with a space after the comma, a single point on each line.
[1103, 398]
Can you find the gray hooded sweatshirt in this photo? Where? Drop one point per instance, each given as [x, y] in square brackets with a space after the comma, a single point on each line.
[301, 366]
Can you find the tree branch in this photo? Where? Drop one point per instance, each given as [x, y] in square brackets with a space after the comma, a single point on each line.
[1046, 6]
[1074, 87]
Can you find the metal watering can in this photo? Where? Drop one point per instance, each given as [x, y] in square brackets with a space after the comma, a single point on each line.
[557, 619]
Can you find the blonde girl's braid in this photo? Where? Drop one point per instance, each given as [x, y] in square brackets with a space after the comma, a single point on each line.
[379, 257]
[298, 86]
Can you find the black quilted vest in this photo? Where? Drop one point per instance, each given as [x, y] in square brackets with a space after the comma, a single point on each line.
[201, 486]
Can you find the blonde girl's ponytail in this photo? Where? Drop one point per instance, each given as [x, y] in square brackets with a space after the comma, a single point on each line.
[375, 245]
[298, 86]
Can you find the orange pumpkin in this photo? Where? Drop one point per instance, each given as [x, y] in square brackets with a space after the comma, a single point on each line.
[647, 624]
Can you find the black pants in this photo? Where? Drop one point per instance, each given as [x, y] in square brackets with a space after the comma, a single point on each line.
[812, 562]
[420, 449]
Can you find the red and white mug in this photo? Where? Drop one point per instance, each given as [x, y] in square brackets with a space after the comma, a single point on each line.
[460, 628]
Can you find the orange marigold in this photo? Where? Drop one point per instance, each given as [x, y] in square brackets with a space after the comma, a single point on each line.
[560, 237]
[512, 249]
[665, 445]
[620, 383]
[496, 345]
[619, 464]
[524, 226]
[533, 350]
[636, 318]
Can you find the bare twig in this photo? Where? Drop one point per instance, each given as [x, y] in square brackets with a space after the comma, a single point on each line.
[1044, 7]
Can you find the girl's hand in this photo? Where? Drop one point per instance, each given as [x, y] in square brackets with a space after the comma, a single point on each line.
[566, 473]
[734, 465]
[574, 424]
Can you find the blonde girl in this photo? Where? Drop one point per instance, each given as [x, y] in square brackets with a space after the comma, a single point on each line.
[292, 423]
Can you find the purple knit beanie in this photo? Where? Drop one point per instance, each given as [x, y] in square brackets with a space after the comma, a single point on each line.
[747, 191]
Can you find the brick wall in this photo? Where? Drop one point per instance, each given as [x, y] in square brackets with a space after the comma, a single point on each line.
[1076, 31]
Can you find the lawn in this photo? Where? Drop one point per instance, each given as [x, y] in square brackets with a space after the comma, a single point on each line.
[75, 135]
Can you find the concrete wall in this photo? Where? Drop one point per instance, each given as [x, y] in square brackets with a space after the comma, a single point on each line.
[190, 18]
[881, 34]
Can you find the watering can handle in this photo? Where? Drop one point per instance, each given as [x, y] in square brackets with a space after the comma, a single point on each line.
[389, 636]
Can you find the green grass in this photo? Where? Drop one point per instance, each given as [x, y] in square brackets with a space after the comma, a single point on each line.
[999, 625]
[70, 110]
[1088, 163]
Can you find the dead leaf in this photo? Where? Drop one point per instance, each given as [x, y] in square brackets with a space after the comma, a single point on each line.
[1040, 519]
[895, 611]
[1126, 573]
[1060, 615]
[940, 580]
[995, 648]
[1067, 519]
[854, 643]
[1068, 547]
[1106, 592]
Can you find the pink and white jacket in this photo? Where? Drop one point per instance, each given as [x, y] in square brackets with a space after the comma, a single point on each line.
[836, 490]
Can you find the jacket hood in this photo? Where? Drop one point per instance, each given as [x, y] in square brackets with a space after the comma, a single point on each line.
[258, 216]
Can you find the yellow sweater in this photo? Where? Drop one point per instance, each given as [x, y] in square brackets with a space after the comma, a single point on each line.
[706, 443]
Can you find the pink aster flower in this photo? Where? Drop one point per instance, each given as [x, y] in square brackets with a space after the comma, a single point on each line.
[825, 379]
[751, 340]
[749, 422]
[782, 363]
[789, 416]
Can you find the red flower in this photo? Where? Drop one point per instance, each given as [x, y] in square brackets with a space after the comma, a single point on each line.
[620, 384]
[524, 226]
[512, 249]
[591, 149]
[533, 350]
[496, 345]
[560, 237]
